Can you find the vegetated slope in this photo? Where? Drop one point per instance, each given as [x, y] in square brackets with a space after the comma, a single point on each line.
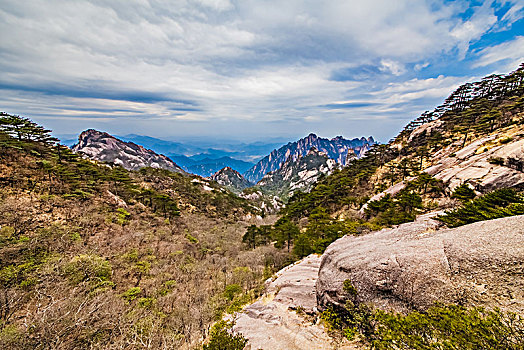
[299, 174]
[106, 148]
[231, 179]
[93, 256]
[336, 148]
[475, 139]
[486, 116]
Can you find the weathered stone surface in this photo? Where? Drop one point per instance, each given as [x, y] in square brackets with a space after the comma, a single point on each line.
[472, 164]
[271, 322]
[414, 265]
[103, 147]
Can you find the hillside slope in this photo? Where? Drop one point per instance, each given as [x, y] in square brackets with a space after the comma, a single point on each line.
[92, 255]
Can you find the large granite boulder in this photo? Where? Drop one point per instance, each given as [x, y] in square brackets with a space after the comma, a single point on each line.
[417, 264]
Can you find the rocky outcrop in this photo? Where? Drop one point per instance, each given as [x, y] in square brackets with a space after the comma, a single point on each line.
[417, 264]
[231, 179]
[486, 164]
[103, 147]
[277, 321]
[336, 149]
[300, 174]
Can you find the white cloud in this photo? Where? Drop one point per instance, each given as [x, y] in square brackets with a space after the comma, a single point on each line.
[231, 60]
[395, 68]
[511, 53]
[480, 22]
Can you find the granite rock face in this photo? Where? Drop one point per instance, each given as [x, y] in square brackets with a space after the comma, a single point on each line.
[417, 264]
[486, 164]
[273, 322]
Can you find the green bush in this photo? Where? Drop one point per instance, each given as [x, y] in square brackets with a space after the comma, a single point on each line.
[146, 302]
[222, 338]
[131, 294]
[448, 327]
[232, 290]
[349, 288]
[463, 193]
[122, 217]
[496, 204]
[88, 268]
[439, 327]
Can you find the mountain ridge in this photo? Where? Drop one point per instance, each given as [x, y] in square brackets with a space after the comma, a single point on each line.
[298, 174]
[336, 148]
[101, 146]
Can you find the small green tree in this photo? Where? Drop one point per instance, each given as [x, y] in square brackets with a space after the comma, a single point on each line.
[223, 338]
[463, 193]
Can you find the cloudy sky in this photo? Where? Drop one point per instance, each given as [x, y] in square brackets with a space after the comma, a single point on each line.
[247, 69]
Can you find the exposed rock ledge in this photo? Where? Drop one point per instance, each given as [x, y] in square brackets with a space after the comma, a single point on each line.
[415, 265]
[271, 322]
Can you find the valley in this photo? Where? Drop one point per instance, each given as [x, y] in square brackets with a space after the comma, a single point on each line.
[322, 243]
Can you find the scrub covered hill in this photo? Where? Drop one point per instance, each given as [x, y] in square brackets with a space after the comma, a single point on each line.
[93, 256]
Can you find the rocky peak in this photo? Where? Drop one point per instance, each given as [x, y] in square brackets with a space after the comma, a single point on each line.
[336, 149]
[231, 178]
[101, 146]
[297, 174]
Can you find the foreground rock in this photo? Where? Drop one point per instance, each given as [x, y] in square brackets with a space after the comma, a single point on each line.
[415, 265]
[273, 322]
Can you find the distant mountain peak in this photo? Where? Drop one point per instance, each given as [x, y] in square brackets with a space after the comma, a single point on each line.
[336, 149]
[231, 178]
[101, 146]
[299, 173]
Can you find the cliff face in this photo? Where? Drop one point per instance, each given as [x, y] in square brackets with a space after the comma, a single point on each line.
[417, 264]
[103, 147]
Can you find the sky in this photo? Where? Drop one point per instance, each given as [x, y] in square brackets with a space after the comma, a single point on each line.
[247, 70]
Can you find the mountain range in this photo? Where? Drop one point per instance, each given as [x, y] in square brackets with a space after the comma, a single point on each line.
[299, 174]
[336, 148]
[296, 165]
[205, 165]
